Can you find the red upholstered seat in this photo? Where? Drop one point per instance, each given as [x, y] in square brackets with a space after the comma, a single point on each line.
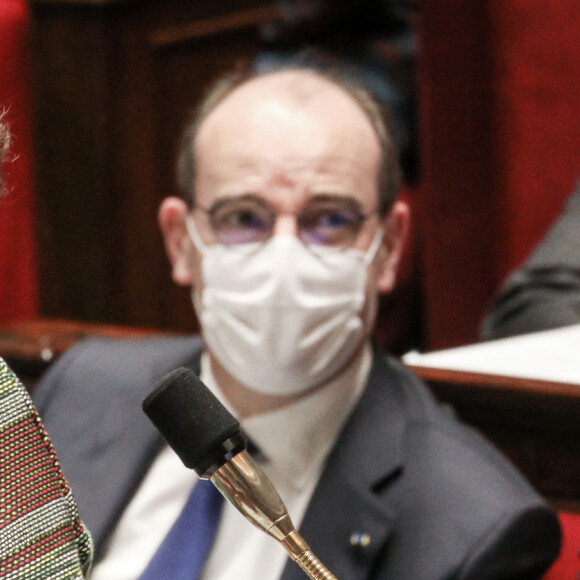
[17, 261]
[567, 566]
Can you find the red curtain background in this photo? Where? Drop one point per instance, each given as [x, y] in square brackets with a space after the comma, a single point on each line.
[18, 298]
[500, 145]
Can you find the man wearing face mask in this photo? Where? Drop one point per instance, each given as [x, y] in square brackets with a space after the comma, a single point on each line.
[288, 230]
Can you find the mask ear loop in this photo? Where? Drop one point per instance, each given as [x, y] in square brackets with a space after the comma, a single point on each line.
[374, 247]
[194, 234]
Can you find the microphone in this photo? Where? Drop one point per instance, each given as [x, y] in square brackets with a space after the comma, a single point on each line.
[208, 439]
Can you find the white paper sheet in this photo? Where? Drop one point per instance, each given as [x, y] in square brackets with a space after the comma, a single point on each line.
[551, 355]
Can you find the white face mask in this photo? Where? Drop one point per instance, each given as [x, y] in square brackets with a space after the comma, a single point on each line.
[282, 317]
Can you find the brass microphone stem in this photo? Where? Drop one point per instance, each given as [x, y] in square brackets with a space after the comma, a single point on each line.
[243, 483]
[301, 553]
[314, 568]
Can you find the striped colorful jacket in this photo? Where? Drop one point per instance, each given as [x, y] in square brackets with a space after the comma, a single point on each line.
[41, 535]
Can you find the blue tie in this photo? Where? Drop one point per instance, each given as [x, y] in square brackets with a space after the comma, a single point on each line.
[184, 550]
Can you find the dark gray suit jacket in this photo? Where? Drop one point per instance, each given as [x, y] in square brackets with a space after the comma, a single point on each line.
[437, 501]
[544, 292]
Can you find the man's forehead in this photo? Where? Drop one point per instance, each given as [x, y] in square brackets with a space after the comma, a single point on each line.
[300, 85]
[289, 92]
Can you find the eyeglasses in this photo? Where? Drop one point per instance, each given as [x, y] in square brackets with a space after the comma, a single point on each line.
[325, 220]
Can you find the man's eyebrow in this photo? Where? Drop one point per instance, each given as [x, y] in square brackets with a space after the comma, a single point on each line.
[333, 198]
[232, 198]
[330, 198]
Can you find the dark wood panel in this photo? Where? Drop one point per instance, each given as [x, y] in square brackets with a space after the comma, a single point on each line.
[113, 83]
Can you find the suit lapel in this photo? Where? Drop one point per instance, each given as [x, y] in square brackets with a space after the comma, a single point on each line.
[348, 522]
[138, 440]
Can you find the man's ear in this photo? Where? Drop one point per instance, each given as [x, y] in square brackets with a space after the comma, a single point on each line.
[172, 220]
[396, 227]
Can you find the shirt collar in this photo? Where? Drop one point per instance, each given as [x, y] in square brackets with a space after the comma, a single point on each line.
[295, 440]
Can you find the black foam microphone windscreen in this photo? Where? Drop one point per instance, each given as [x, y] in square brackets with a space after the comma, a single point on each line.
[202, 432]
[207, 438]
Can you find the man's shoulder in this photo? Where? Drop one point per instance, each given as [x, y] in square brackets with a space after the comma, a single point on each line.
[155, 345]
[449, 481]
[442, 448]
[102, 366]
[413, 398]
[469, 494]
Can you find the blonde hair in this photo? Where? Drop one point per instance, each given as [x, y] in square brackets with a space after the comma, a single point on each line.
[4, 144]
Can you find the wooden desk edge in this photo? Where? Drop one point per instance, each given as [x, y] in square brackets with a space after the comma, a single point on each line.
[520, 385]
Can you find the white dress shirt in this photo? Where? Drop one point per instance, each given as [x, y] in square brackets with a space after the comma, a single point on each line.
[294, 442]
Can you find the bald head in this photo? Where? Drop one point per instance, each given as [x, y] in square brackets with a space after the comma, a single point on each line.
[293, 121]
[294, 102]
[295, 89]
[302, 87]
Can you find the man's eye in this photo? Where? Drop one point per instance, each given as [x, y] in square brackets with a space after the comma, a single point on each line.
[337, 219]
[246, 219]
[330, 219]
